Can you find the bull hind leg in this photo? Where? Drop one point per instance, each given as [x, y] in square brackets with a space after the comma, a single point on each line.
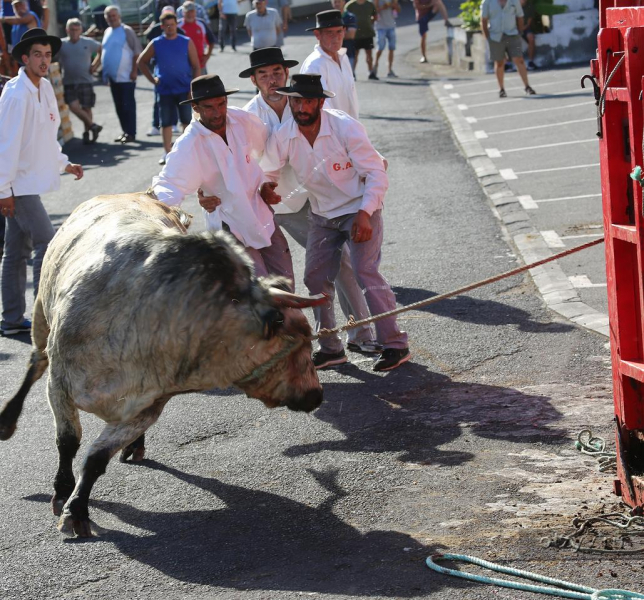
[136, 450]
[75, 516]
[68, 437]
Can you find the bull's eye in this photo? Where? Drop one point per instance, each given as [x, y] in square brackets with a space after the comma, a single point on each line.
[272, 321]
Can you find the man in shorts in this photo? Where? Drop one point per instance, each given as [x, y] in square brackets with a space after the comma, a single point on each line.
[501, 22]
[388, 10]
[76, 58]
[365, 13]
[426, 10]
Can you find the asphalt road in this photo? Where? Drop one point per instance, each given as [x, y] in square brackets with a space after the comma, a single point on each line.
[467, 448]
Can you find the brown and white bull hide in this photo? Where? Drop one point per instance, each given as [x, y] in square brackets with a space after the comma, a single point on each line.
[131, 311]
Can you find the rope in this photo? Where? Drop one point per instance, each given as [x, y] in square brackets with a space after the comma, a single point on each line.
[596, 446]
[601, 109]
[260, 370]
[560, 588]
[352, 323]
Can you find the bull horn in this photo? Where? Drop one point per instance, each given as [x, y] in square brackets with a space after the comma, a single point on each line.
[284, 299]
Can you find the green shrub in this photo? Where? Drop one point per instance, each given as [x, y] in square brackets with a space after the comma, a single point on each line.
[471, 15]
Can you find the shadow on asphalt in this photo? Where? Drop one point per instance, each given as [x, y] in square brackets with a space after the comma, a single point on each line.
[479, 312]
[368, 117]
[264, 541]
[418, 412]
[105, 152]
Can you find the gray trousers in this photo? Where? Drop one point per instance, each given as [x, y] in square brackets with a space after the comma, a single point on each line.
[350, 295]
[29, 229]
[323, 255]
[274, 259]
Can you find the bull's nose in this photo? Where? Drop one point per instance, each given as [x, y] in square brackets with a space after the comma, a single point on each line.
[308, 402]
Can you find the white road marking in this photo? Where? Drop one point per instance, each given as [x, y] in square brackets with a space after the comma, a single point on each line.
[493, 153]
[556, 169]
[552, 239]
[527, 202]
[461, 106]
[455, 95]
[480, 135]
[507, 174]
[448, 86]
[583, 281]
[471, 119]
[582, 235]
[516, 88]
[562, 198]
[531, 112]
[533, 75]
[508, 100]
[525, 148]
[542, 126]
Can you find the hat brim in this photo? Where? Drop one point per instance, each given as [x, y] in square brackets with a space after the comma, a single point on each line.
[246, 73]
[287, 91]
[341, 24]
[19, 49]
[207, 96]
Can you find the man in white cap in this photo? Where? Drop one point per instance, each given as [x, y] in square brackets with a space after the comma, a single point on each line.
[335, 162]
[31, 160]
[219, 153]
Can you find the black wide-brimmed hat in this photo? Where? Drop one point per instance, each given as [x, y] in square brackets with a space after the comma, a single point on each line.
[207, 86]
[327, 18]
[35, 36]
[307, 85]
[265, 57]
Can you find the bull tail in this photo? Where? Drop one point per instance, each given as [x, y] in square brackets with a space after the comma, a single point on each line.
[38, 364]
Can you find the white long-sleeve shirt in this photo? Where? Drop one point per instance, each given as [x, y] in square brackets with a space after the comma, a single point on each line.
[335, 78]
[342, 170]
[201, 158]
[31, 158]
[294, 196]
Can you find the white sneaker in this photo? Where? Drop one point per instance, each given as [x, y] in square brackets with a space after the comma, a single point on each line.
[392, 74]
[175, 129]
[162, 159]
[153, 131]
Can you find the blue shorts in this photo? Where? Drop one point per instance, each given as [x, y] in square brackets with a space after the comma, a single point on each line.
[168, 107]
[423, 22]
[384, 36]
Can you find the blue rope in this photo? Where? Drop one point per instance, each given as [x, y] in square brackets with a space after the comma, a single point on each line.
[636, 174]
[562, 589]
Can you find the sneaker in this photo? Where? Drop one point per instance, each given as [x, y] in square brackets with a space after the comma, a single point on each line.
[9, 329]
[529, 91]
[95, 129]
[391, 358]
[531, 66]
[365, 347]
[162, 159]
[126, 137]
[119, 138]
[392, 74]
[372, 75]
[153, 131]
[175, 129]
[86, 138]
[423, 59]
[321, 360]
[502, 93]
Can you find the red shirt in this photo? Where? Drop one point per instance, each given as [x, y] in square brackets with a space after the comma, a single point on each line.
[196, 31]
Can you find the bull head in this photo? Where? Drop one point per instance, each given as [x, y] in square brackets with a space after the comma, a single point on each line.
[273, 318]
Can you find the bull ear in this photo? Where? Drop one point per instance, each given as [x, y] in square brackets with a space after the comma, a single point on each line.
[283, 299]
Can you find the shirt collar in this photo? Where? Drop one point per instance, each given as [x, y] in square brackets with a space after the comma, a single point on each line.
[341, 52]
[325, 128]
[25, 79]
[263, 105]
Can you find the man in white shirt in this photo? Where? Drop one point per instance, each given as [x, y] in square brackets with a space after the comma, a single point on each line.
[219, 153]
[31, 160]
[335, 162]
[269, 71]
[329, 59]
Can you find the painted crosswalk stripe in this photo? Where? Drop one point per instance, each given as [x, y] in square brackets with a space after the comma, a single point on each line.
[461, 106]
[508, 100]
[552, 239]
[493, 153]
[448, 86]
[557, 169]
[455, 96]
[507, 174]
[531, 112]
[544, 126]
[553, 145]
[471, 119]
[527, 202]
[563, 198]
[583, 281]
[480, 135]
[581, 236]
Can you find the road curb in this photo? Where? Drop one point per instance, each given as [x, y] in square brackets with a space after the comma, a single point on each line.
[553, 284]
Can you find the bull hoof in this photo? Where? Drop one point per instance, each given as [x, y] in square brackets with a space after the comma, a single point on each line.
[137, 454]
[71, 527]
[57, 504]
[6, 431]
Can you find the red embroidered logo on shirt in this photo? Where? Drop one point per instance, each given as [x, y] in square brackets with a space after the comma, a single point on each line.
[248, 159]
[339, 167]
[51, 116]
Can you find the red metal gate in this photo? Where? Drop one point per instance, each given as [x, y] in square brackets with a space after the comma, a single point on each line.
[618, 69]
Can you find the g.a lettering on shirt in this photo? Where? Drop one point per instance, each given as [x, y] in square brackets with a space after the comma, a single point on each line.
[339, 167]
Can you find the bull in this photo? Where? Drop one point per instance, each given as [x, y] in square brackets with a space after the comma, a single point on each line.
[132, 311]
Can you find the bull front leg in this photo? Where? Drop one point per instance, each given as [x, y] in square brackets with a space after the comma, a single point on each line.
[74, 519]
